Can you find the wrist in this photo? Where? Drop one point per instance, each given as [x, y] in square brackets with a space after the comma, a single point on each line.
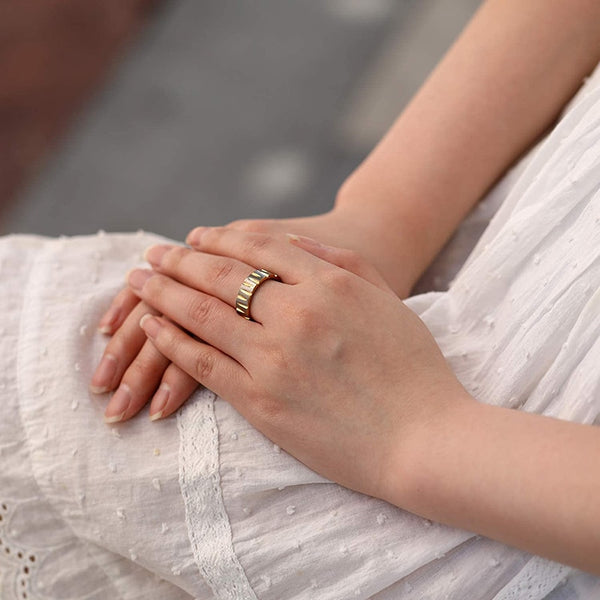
[383, 235]
[420, 477]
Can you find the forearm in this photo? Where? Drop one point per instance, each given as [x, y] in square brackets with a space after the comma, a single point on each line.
[496, 91]
[526, 480]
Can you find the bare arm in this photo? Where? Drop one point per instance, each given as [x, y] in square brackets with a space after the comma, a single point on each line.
[541, 494]
[500, 86]
[404, 429]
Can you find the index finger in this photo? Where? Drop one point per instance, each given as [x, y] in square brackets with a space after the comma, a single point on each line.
[272, 252]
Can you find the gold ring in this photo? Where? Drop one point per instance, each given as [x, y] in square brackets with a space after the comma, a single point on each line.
[248, 287]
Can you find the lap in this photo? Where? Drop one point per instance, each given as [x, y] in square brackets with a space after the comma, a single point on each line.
[204, 501]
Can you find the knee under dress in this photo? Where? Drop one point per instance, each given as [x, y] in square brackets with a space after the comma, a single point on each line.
[203, 506]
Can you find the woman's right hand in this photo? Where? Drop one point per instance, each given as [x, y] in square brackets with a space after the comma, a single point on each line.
[132, 366]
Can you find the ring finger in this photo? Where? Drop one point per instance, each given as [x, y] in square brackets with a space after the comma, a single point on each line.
[207, 317]
[217, 276]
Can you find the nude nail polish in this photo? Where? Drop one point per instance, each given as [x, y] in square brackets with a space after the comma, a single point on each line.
[104, 374]
[108, 320]
[159, 402]
[118, 405]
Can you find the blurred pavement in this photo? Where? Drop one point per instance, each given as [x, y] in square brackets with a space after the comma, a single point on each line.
[225, 110]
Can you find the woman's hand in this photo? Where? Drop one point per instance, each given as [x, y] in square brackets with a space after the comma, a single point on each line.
[334, 368]
[358, 230]
[131, 365]
[140, 374]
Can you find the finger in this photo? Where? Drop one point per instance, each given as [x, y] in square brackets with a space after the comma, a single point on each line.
[203, 315]
[123, 303]
[217, 276]
[138, 384]
[341, 257]
[265, 251]
[176, 387]
[206, 364]
[120, 351]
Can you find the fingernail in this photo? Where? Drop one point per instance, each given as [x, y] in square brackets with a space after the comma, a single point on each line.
[117, 407]
[138, 277]
[150, 325]
[108, 320]
[305, 241]
[104, 374]
[195, 235]
[154, 254]
[159, 401]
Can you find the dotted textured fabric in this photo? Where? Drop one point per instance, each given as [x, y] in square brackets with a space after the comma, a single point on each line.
[203, 506]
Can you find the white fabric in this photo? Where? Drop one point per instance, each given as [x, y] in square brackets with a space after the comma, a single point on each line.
[204, 506]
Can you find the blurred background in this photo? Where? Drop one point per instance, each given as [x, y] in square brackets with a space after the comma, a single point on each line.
[165, 114]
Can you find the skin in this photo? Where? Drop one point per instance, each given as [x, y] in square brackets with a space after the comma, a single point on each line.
[499, 88]
[395, 430]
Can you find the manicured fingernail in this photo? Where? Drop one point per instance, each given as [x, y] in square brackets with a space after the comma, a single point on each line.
[195, 235]
[150, 325]
[157, 408]
[154, 254]
[304, 241]
[109, 319]
[104, 374]
[138, 277]
[117, 407]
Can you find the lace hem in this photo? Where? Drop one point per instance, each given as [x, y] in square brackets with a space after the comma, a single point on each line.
[207, 522]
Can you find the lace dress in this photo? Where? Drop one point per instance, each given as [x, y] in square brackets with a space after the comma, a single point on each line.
[203, 506]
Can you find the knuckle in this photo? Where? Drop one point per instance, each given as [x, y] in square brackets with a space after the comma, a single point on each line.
[338, 281]
[221, 272]
[308, 320]
[203, 365]
[201, 309]
[258, 244]
[278, 360]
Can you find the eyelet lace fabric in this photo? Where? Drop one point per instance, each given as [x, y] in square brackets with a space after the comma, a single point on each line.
[86, 511]
[19, 564]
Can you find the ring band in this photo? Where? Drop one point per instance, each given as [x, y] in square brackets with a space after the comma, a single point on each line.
[247, 289]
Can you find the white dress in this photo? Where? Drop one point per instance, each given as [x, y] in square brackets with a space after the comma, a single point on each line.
[203, 506]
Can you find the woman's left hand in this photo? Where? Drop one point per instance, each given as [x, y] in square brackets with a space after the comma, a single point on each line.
[333, 368]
